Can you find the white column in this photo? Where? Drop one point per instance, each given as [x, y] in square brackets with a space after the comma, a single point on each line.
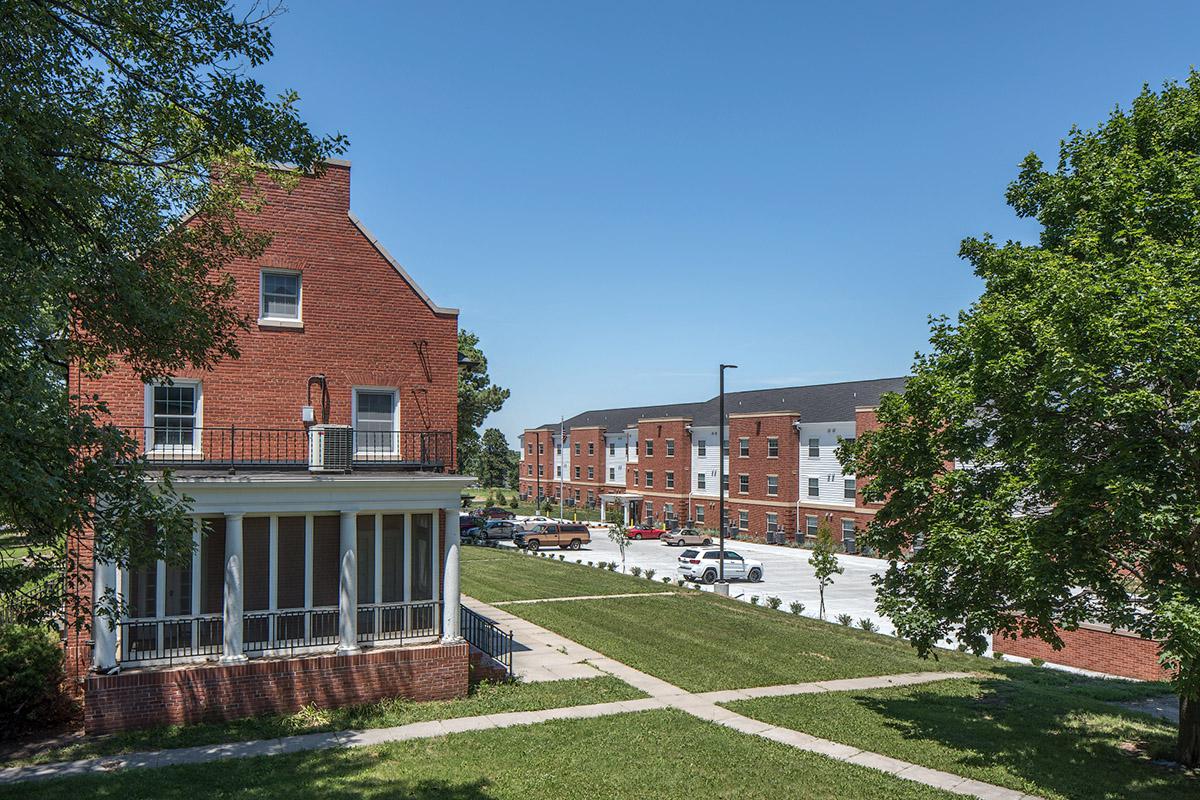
[451, 627]
[234, 573]
[197, 582]
[308, 574]
[626, 504]
[348, 587]
[104, 633]
[603, 516]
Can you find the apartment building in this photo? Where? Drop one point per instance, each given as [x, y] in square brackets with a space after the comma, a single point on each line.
[324, 494]
[665, 464]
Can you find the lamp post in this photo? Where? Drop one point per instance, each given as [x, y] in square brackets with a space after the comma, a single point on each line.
[721, 459]
[562, 447]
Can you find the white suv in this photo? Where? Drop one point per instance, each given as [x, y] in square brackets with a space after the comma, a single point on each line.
[705, 566]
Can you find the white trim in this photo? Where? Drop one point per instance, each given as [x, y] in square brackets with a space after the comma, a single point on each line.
[148, 417]
[358, 223]
[395, 393]
[281, 322]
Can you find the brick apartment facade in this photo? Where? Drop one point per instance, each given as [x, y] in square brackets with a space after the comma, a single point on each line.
[663, 463]
[324, 496]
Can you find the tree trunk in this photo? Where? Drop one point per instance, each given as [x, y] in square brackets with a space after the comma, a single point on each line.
[1187, 751]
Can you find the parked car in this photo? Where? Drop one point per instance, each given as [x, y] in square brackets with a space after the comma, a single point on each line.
[566, 535]
[686, 536]
[640, 532]
[496, 512]
[495, 530]
[704, 566]
[537, 519]
[468, 523]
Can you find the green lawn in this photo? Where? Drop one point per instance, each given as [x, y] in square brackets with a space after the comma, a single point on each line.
[1036, 731]
[492, 574]
[704, 643]
[657, 754]
[484, 699]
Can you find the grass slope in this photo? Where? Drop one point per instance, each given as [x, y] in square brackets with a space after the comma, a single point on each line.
[661, 754]
[1036, 731]
[484, 699]
[492, 574]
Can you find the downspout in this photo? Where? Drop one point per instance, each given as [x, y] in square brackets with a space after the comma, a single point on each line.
[796, 428]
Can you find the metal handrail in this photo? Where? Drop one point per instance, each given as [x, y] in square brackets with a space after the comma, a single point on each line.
[487, 637]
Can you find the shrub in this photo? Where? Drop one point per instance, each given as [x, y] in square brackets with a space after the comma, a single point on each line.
[797, 608]
[649, 574]
[561, 557]
[753, 599]
[513, 503]
[867, 625]
[666, 579]
[579, 561]
[31, 678]
[612, 566]
[773, 602]
[845, 619]
[996, 654]
[635, 572]
[679, 582]
[1037, 662]
[590, 564]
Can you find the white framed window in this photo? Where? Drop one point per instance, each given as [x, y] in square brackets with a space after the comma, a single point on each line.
[375, 428]
[173, 416]
[591, 448]
[649, 479]
[649, 447]
[558, 471]
[743, 520]
[670, 447]
[576, 473]
[591, 473]
[702, 448]
[577, 448]
[772, 447]
[810, 525]
[850, 489]
[772, 485]
[612, 449]
[699, 480]
[612, 473]
[814, 487]
[699, 513]
[744, 447]
[744, 483]
[814, 448]
[670, 479]
[279, 297]
[772, 522]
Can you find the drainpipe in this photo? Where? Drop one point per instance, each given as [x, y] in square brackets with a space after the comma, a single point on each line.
[796, 427]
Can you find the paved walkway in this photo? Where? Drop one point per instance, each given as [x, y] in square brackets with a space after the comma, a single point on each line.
[541, 649]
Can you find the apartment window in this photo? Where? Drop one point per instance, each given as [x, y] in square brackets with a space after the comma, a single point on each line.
[850, 490]
[541, 470]
[558, 449]
[699, 511]
[612, 473]
[814, 448]
[849, 538]
[699, 480]
[529, 469]
[577, 448]
[612, 449]
[702, 448]
[576, 473]
[744, 483]
[743, 520]
[773, 485]
[591, 473]
[670, 479]
[635, 477]
[725, 447]
[175, 414]
[279, 296]
[668, 511]
[814, 487]
[375, 420]
[772, 522]
[649, 511]
[591, 497]
[649, 447]
[529, 448]
[558, 471]
[576, 495]
[591, 448]
[810, 525]
[541, 449]
[649, 478]
[670, 447]
[744, 447]
[725, 481]
[772, 447]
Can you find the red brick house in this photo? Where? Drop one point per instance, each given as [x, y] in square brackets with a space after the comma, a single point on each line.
[321, 470]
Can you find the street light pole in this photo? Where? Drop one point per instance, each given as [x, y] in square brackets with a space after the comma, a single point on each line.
[562, 444]
[721, 460]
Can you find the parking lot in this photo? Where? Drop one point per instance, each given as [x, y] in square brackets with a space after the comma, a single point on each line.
[786, 574]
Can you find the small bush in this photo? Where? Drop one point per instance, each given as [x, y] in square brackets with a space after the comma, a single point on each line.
[513, 503]
[845, 619]
[773, 602]
[635, 572]
[590, 564]
[753, 599]
[579, 561]
[996, 654]
[649, 574]
[1037, 662]
[561, 557]
[612, 566]
[666, 579]
[867, 625]
[31, 679]
[797, 608]
[680, 582]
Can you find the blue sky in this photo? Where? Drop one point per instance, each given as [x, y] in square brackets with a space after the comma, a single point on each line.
[619, 196]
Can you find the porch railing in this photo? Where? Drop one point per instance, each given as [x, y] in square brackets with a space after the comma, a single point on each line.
[398, 621]
[170, 639]
[233, 447]
[486, 636]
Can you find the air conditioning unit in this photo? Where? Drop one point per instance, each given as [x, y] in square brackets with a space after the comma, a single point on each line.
[330, 448]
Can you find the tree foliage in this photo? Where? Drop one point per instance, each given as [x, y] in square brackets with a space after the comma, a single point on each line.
[498, 463]
[117, 115]
[477, 397]
[1068, 396]
[824, 563]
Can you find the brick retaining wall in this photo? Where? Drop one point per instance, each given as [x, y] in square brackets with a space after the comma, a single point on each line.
[1095, 648]
[215, 692]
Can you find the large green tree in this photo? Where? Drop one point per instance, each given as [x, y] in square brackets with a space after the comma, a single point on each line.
[115, 118]
[477, 397]
[497, 461]
[1047, 446]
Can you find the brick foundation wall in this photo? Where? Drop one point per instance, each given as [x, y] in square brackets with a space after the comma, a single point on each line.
[1094, 648]
[223, 692]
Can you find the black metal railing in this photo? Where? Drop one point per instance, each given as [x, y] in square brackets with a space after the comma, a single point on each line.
[233, 447]
[487, 637]
[288, 630]
[399, 621]
[170, 639]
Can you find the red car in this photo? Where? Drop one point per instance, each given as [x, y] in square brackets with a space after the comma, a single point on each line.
[640, 532]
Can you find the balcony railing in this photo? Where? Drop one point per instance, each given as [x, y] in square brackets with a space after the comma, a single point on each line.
[235, 447]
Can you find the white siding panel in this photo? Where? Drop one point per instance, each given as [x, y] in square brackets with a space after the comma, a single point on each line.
[825, 467]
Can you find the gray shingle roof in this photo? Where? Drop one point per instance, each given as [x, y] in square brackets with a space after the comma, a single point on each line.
[826, 402]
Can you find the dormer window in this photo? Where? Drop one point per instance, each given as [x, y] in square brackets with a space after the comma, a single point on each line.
[279, 294]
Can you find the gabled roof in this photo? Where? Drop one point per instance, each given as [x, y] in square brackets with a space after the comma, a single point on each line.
[826, 402]
[383, 251]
